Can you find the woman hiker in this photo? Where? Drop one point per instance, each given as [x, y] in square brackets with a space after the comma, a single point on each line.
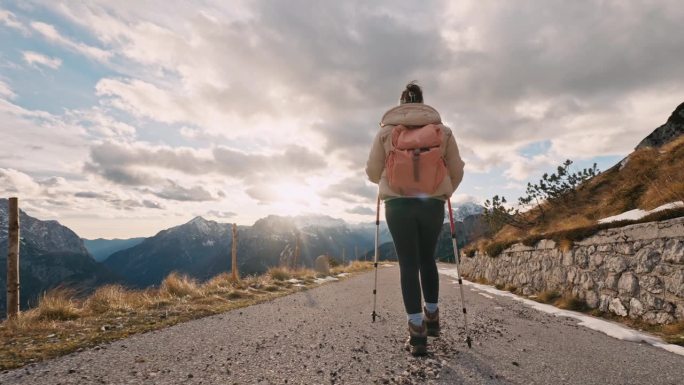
[415, 161]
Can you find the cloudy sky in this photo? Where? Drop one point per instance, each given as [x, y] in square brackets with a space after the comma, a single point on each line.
[121, 118]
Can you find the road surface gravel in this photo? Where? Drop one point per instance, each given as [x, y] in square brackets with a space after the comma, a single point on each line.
[325, 336]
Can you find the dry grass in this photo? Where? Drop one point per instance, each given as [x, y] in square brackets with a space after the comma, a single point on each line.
[352, 267]
[565, 245]
[57, 305]
[279, 273]
[61, 323]
[222, 283]
[114, 298]
[548, 296]
[570, 302]
[177, 285]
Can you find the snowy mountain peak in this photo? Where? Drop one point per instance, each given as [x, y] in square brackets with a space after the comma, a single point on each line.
[198, 219]
[465, 210]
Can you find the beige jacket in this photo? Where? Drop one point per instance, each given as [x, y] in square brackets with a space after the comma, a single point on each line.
[413, 114]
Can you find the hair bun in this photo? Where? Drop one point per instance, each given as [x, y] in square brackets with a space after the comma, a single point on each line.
[412, 94]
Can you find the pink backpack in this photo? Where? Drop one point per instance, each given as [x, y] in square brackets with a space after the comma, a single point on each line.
[415, 165]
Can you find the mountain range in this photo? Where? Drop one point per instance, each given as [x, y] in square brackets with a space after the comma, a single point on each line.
[102, 248]
[201, 248]
[53, 255]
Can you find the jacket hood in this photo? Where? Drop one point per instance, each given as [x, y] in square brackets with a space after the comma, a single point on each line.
[411, 114]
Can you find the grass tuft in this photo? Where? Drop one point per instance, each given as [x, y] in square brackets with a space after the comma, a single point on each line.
[113, 298]
[279, 273]
[176, 285]
[57, 305]
[570, 302]
[548, 296]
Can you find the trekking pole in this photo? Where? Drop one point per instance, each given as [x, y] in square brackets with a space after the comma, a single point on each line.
[375, 257]
[458, 275]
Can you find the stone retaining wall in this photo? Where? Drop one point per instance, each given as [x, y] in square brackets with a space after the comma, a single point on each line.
[635, 271]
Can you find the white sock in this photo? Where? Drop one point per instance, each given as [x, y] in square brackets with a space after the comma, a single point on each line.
[430, 307]
[416, 319]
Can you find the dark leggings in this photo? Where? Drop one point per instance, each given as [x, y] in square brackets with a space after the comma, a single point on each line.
[415, 225]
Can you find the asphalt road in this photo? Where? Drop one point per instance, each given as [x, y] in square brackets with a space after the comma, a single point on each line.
[325, 336]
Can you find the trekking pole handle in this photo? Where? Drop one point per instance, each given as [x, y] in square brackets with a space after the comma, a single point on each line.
[377, 211]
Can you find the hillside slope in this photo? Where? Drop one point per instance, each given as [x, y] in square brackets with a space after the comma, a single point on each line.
[650, 176]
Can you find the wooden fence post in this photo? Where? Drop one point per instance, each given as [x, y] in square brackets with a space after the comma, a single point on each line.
[295, 257]
[13, 260]
[234, 265]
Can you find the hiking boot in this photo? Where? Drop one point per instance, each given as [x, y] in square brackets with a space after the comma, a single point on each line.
[417, 341]
[432, 322]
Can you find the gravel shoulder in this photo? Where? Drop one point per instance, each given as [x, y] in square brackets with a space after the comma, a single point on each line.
[325, 336]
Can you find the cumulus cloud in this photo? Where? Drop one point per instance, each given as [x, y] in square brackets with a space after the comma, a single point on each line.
[174, 191]
[6, 90]
[354, 189]
[118, 202]
[361, 210]
[220, 214]
[10, 20]
[35, 58]
[50, 32]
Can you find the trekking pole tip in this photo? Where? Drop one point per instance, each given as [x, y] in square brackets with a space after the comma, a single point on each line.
[469, 342]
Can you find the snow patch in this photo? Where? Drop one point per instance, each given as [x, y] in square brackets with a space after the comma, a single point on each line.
[324, 280]
[606, 327]
[486, 295]
[387, 265]
[294, 280]
[636, 214]
[342, 275]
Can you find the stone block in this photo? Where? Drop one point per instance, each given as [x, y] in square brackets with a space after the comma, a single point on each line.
[664, 318]
[628, 284]
[586, 281]
[322, 264]
[673, 251]
[647, 258]
[674, 283]
[582, 260]
[591, 299]
[651, 283]
[617, 307]
[611, 281]
[546, 244]
[606, 248]
[636, 308]
[625, 248]
[616, 264]
[595, 260]
[567, 258]
[519, 247]
[604, 302]
[651, 301]
[679, 311]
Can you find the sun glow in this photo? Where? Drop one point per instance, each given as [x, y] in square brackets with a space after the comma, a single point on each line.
[290, 197]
